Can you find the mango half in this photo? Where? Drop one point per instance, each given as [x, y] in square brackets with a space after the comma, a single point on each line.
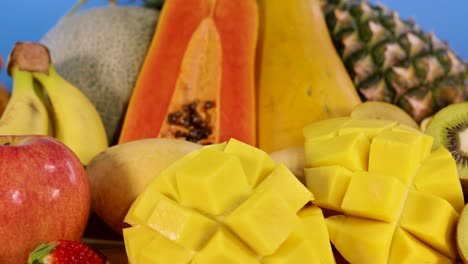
[226, 203]
[396, 200]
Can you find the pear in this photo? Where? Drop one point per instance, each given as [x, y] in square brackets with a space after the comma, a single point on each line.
[121, 172]
[383, 110]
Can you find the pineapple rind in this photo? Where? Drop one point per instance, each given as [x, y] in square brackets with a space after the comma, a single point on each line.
[394, 60]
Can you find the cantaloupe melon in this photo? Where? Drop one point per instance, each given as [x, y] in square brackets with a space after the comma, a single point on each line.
[101, 50]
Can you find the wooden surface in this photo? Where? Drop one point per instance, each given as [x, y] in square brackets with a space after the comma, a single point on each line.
[115, 255]
[100, 236]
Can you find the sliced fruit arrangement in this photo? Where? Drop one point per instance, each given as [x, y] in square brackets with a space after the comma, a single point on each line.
[73, 117]
[65, 252]
[394, 60]
[300, 77]
[395, 200]
[226, 203]
[197, 81]
[449, 129]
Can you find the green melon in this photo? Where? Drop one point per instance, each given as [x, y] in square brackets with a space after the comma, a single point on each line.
[101, 50]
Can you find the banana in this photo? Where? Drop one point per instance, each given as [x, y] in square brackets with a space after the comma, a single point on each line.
[121, 172]
[25, 112]
[293, 158]
[76, 121]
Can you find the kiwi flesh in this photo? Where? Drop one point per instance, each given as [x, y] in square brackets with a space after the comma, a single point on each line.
[449, 127]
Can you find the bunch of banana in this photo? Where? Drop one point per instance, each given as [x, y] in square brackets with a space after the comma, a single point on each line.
[43, 103]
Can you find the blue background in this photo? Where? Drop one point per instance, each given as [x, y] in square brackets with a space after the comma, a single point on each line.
[29, 20]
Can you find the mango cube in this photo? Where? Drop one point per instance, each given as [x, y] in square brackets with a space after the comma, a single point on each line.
[429, 178]
[350, 151]
[282, 181]
[313, 229]
[426, 140]
[257, 221]
[212, 181]
[360, 240]
[224, 247]
[182, 225]
[256, 163]
[135, 239]
[407, 249]
[294, 250]
[166, 182]
[374, 196]
[142, 208]
[328, 184]
[392, 148]
[161, 250]
[327, 128]
[370, 127]
[308, 241]
[441, 214]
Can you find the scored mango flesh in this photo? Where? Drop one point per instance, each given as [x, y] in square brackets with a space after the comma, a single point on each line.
[226, 203]
[395, 200]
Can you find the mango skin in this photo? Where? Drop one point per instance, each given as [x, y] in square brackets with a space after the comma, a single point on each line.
[121, 172]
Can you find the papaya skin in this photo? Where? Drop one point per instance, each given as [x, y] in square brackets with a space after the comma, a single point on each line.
[203, 52]
[300, 77]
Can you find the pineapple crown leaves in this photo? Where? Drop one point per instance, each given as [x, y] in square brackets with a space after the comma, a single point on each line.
[393, 59]
[157, 4]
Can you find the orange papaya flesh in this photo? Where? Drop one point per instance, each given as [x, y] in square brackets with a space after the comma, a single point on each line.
[197, 81]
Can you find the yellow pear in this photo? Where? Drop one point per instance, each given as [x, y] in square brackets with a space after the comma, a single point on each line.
[121, 172]
[383, 110]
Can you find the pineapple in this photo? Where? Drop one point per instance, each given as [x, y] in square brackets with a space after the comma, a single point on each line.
[394, 60]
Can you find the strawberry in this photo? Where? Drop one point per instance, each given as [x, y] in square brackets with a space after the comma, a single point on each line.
[65, 252]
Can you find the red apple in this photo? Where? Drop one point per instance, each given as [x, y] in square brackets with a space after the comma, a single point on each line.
[44, 195]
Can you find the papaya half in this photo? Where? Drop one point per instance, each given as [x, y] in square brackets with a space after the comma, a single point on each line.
[198, 79]
[300, 77]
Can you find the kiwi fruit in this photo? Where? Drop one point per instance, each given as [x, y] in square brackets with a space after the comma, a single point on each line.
[449, 127]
